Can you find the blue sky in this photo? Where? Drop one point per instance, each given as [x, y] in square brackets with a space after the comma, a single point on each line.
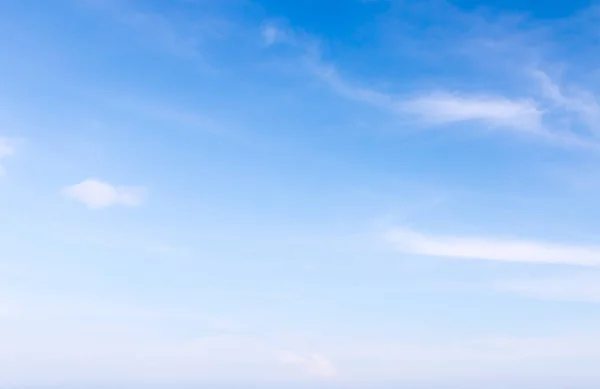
[329, 194]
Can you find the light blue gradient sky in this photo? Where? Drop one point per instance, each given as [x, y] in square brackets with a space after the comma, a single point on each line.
[347, 193]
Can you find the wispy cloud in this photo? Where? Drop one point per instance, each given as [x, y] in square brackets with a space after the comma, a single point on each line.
[442, 108]
[412, 242]
[496, 111]
[578, 287]
[91, 354]
[330, 75]
[48, 306]
[96, 194]
[568, 117]
[315, 364]
[439, 108]
[85, 342]
[273, 34]
[182, 117]
[172, 33]
[7, 148]
[577, 101]
[560, 123]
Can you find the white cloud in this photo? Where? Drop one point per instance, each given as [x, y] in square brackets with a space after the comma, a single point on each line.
[96, 194]
[578, 102]
[413, 242]
[331, 77]
[548, 115]
[446, 108]
[440, 108]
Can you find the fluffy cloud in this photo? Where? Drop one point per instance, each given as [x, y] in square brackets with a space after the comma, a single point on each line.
[96, 194]
[413, 242]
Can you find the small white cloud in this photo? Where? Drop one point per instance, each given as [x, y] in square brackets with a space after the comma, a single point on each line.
[412, 242]
[96, 194]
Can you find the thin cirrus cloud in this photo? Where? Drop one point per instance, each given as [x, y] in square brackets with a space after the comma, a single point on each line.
[440, 108]
[553, 114]
[413, 242]
[272, 34]
[7, 149]
[96, 194]
[577, 287]
[98, 353]
[447, 108]
[580, 103]
[316, 365]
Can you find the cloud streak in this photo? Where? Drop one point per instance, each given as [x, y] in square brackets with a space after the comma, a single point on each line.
[315, 364]
[578, 287]
[118, 350]
[568, 117]
[93, 354]
[7, 149]
[412, 242]
[495, 111]
[272, 34]
[582, 104]
[441, 108]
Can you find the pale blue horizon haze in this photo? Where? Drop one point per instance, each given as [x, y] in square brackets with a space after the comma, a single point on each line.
[299, 194]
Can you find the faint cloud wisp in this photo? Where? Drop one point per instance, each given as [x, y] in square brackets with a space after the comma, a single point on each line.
[7, 148]
[96, 194]
[413, 242]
